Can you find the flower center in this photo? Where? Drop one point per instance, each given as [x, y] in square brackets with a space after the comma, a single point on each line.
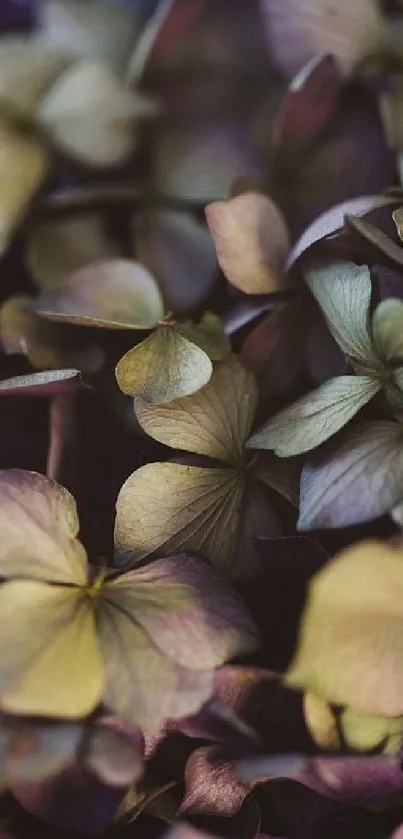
[95, 587]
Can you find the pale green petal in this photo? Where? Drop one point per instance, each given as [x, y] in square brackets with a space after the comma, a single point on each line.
[315, 417]
[387, 328]
[343, 291]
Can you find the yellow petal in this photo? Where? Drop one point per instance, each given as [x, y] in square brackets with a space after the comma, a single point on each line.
[215, 421]
[26, 71]
[46, 344]
[351, 643]
[365, 731]
[23, 166]
[163, 367]
[321, 721]
[50, 662]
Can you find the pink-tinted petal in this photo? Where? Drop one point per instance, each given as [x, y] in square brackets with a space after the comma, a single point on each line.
[192, 615]
[298, 30]
[252, 242]
[211, 784]
[172, 21]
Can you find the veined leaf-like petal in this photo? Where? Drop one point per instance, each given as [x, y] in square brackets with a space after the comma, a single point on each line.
[315, 417]
[360, 480]
[163, 367]
[193, 616]
[343, 291]
[167, 507]
[142, 684]
[214, 422]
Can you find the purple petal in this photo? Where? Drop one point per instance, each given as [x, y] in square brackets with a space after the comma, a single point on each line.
[332, 221]
[308, 105]
[73, 800]
[338, 170]
[362, 781]
[217, 722]
[191, 614]
[297, 812]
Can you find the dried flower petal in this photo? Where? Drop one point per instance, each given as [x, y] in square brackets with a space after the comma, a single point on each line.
[113, 294]
[58, 247]
[360, 480]
[179, 251]
[298, 30]
[251, 240]
[349, 649]
[163, 367]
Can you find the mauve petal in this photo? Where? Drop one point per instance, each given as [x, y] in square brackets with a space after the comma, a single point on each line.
[219, 723]
[338, 170]
[72, 800]
[210, 623]
[308, 105]
[329, 225]
[361, 781]
[211, 784]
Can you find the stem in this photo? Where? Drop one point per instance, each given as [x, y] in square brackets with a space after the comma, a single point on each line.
[62, 438]
[82, 199]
